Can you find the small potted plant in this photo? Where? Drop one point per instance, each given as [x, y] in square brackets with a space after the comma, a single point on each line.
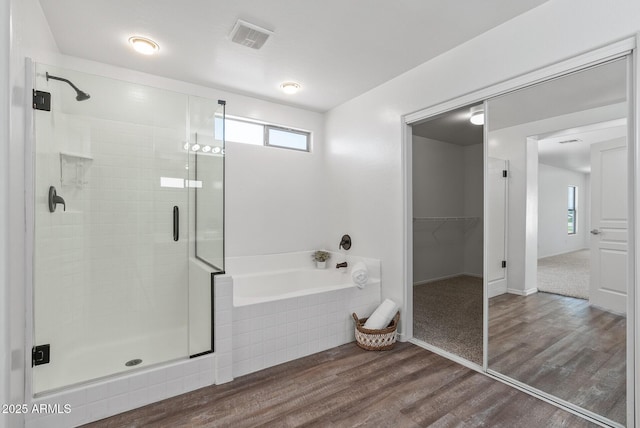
[321, 257]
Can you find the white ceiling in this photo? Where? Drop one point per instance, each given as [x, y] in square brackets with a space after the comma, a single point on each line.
[452, 127]
[576, 156]
[335, 49]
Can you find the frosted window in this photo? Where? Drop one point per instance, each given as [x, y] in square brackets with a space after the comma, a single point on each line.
[259, 134]
[240, 131]
[287, 138]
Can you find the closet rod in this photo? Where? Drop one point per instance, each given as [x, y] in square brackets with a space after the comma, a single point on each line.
[444, 218]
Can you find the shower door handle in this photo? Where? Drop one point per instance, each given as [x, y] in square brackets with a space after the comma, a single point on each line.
[176, 223]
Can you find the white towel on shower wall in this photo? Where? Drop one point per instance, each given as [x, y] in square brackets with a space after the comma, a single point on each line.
[360, 274]
[382, 316]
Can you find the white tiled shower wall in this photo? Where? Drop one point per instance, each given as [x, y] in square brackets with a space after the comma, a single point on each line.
[107, 269]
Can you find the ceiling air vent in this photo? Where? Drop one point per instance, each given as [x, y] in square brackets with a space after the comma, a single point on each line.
[249, 35]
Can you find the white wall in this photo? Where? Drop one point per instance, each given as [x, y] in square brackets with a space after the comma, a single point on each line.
[438, 191]
[447, 182]
[474, 207]
[552, 211]
[275, 200]
[365, 134]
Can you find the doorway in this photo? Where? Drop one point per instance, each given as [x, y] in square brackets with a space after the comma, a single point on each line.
[447, 200]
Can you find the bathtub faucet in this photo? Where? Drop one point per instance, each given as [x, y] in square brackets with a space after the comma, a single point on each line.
[343, 264]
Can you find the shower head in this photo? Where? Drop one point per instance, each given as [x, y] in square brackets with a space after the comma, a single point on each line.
[81, 94]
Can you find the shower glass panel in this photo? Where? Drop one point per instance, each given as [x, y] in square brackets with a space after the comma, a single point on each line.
[112, 264]
[207, 180]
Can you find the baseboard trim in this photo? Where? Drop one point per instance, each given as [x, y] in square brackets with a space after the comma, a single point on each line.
[527, 292]
[564, 252]
[474, 275]
[455, 275]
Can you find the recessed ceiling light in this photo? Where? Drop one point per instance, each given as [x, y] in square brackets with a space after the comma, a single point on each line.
[143, 45]
[290, 87]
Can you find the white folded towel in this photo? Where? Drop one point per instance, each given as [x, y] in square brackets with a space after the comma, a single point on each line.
[382, 316]
[360, 274]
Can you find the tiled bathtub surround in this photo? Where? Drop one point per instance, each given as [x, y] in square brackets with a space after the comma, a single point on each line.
[269, 333]
[222, 324]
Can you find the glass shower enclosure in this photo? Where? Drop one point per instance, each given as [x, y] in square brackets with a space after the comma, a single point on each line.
[128, 186]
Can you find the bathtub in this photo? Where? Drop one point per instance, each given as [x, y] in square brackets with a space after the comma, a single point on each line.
[256, 288]
[284, 308]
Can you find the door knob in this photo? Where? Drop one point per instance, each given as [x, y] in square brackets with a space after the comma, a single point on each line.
[595, 232]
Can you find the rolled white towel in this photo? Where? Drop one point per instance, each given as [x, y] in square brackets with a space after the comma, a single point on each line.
[382, 316]
[360, 274]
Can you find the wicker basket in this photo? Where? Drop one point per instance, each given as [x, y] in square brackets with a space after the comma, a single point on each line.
[376, 340]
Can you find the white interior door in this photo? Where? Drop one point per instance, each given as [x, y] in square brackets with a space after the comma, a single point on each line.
[497, 225]
[609, 225]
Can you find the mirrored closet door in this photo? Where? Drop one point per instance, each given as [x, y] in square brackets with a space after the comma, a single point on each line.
[557, 317]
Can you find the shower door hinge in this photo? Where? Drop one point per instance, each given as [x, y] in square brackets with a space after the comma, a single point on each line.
[504, 173]
[40, 355]
[41, 100]
[504, 263]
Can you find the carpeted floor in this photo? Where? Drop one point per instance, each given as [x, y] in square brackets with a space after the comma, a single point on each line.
[448, 314]
[566, 274]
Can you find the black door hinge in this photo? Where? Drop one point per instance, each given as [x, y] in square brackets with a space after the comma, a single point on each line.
[504, 173]
[41, 100]
[40, 355]
[504, 263]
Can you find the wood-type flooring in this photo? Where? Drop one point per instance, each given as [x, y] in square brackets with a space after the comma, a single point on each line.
[563, 346]
[348, 387]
